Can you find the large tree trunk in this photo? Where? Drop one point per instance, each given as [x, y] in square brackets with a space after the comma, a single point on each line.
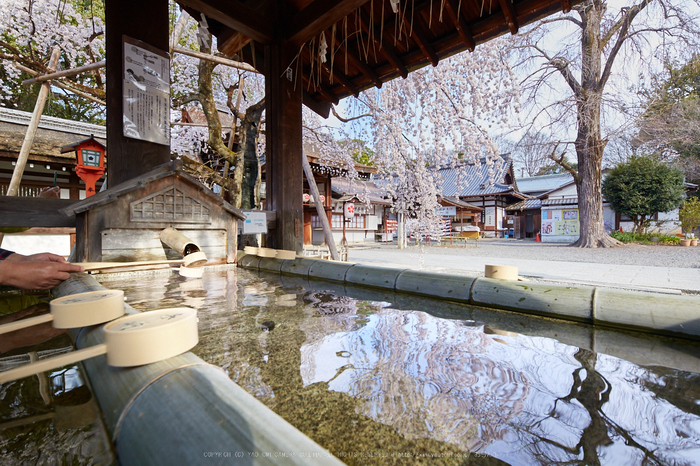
[247, 174]
[215, 141]
[589, 142]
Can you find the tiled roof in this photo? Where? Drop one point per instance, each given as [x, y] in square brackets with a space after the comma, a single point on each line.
[52, 134]
[544, 183]
[560, 201]
[458, 203]
[363, 190]
[471, 179]
[526, 204]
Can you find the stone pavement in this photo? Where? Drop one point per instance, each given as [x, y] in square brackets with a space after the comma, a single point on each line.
[673, 280]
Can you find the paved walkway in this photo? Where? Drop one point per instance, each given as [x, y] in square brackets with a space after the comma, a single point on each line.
[674, 280]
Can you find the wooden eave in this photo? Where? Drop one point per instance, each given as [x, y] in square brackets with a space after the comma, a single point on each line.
[372, 44]
[173, 168]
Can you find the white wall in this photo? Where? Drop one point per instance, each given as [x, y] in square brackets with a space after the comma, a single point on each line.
[32, 244]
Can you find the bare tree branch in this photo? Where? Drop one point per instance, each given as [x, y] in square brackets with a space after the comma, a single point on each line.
[627, 18]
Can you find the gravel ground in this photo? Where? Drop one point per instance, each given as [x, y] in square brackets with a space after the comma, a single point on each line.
[630, 254]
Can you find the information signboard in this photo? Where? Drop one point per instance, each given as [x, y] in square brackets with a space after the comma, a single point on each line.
[146, 93]
[255, 222]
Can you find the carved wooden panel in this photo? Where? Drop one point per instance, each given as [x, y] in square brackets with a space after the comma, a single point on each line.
[169, 205]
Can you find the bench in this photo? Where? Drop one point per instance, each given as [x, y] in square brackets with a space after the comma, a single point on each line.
[475, 235]
[451, 240]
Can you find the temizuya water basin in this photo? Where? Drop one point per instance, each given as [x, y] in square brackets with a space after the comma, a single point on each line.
[393, 379]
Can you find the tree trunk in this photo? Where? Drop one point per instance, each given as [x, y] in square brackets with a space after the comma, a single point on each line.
[215, 141]
[248, 174]
[589, 143]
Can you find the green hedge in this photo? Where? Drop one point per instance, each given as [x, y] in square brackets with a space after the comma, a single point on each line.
[644, 238]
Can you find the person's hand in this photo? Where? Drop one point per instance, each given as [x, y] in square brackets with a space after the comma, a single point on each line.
[44, 256]
[35, 274]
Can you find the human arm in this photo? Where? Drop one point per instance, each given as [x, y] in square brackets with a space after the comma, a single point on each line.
[37, 271]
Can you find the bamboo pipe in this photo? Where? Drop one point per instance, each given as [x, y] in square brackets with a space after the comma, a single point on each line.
[192, 253]
[215, 59]
[84, 95]
[88, 266]
[177, 31]
[164, 409]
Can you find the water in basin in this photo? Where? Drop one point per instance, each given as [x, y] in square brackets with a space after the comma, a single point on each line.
[383, 378]
[380, 377]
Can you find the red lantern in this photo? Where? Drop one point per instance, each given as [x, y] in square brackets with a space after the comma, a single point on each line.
[90, 155]
[306, 197]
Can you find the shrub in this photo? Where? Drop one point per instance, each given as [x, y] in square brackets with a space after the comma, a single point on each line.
[689, 215]
[643, 238]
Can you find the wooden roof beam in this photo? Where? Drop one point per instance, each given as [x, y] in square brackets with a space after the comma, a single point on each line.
[236, 16]
[384, 48]
[343, 79]
[363, 67]
[317, 17]
[309, 86]
[326, 71]
[565, 6]
[460, 24]
[420, 38]
[511, 17]
[322, 108]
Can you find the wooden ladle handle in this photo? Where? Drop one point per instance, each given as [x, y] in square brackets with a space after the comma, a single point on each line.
[52, 363]
[24, 323]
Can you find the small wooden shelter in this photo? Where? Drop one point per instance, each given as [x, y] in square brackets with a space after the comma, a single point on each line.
[124, 223]
[461, 215]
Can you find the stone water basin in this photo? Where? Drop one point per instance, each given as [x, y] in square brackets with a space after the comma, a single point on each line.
[384, 378]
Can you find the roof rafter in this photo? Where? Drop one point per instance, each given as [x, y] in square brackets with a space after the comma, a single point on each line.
[319, 16]
[359, 64]
[460, 24]
[235, 16]
[342, 78]
[385, 49]
[418, 33]
[510, 15]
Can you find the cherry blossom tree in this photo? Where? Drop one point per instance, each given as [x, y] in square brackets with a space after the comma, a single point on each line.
[437, 117]
[30, 29]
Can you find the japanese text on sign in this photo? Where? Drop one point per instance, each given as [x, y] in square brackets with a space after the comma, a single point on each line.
[146, 93]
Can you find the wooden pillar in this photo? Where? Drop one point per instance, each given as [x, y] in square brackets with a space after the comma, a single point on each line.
[284, 176]
[145, 20]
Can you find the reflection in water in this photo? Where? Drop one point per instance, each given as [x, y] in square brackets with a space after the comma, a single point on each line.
[363, 376]
[50, 418]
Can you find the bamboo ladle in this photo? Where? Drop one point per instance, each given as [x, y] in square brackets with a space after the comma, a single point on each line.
[195, 259]
[129, 341]
[77, 310]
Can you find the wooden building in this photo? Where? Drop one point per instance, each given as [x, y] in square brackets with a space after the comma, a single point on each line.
[461, 215]
[527, 214]
[46, 164]
[370, 205]
[489, 185]
[284, 40]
